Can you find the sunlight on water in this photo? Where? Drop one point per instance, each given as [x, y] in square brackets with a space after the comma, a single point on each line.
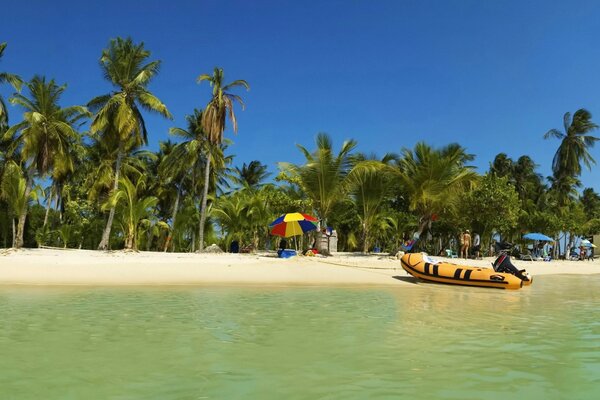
[424, 341]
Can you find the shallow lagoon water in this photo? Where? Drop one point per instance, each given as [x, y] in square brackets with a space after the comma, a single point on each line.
[419, 342]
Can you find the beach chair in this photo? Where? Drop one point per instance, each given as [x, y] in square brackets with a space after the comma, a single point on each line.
[451, 253]
[526, 256]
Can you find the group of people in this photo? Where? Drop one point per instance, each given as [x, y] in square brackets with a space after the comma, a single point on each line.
[469, 244]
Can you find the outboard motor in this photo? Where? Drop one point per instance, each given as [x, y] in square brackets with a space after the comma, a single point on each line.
[503, 264]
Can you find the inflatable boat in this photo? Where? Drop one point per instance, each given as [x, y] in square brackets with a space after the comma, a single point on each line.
[504, 275]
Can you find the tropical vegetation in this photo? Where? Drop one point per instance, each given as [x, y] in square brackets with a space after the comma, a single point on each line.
[80, 176]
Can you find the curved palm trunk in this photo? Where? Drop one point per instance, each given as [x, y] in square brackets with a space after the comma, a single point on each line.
[203, 206]
[111, 215]
[23, 215]
[174, 217]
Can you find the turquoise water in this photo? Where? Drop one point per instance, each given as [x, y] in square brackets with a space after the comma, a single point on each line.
[419, 342]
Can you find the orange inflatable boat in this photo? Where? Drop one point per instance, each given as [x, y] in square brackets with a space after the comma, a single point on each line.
[422, 267]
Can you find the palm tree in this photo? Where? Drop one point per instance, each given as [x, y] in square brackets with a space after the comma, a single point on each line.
[502, 165]
[12, 190]
[187, 162]
[251, 175]
[45, 135]
[432, 179]
[575, 144]
[118, 116]
[135, 209]
[370, 186]
[16, 83]
[214, 117]
[591, 203]
[323, 177]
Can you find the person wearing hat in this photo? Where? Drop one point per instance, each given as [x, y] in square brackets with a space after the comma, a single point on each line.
[466, 244]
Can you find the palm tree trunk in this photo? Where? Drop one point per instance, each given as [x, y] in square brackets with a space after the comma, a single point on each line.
[111, 215]
[23, 215]
[174, 217]
[14, 233]
[47, 209]
[364, 239]
[203, 206]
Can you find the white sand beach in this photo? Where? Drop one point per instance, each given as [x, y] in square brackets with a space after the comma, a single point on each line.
[87, 267]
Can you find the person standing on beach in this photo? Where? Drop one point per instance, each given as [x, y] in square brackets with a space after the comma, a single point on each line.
[466, 244]
[476, 244]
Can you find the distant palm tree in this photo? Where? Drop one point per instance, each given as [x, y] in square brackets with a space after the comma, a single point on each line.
[16, 83]
[575, 144]
[12, 191]
[187, 161]
[45, 135]
[251, 175]
[214, 117]
[370, 186]
[591, 203]
[432, 179]
[118, 116]
[323, 177]
[135, 208]
[502, 165]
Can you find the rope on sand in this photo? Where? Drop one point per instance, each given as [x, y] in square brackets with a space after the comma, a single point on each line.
[353, 266]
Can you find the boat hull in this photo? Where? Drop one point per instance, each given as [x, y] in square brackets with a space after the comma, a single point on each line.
[421, 267]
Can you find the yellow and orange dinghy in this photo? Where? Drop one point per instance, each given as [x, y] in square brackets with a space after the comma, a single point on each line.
[504, 275]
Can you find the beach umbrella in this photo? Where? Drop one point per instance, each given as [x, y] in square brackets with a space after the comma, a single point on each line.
[293, 224]
[587, 243]
[537, 236]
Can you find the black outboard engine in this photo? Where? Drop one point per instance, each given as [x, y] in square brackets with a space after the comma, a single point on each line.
[503, 264]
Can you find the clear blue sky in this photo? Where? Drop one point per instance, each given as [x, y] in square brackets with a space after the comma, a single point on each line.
[491, 75]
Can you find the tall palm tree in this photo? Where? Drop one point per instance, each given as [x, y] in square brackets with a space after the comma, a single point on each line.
[575, 144]
[433, 178]
[323, 177]
[214, 117]
[16, 83]
[118, 116]
[187, 161]
[45, 135]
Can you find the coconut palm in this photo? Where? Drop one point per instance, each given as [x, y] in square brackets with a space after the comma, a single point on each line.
[118, 115]
[575, 144]
[186, 162]
[45, 135]
[432, 179]
[591, 203]
[135, 208]
[323, 177]
[12, 191]
[502, 165]
[251, 175]
[214, 117]
[15, 82]
[370, 185]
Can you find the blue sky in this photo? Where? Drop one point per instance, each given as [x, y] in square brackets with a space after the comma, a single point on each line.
[492, 76]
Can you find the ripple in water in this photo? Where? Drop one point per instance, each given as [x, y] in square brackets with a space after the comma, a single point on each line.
[424, 341]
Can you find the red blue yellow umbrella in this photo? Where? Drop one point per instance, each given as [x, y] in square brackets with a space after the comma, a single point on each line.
[293, 224]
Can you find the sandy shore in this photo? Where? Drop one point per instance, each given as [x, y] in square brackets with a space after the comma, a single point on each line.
[87, 267]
